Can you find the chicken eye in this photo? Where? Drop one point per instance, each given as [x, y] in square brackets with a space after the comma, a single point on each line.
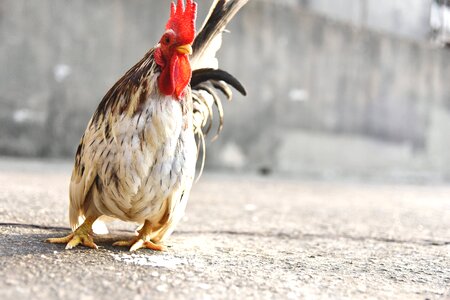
[167, 40]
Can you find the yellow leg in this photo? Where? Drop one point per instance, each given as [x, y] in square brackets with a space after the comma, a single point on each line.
[82, 235]
[142, 240]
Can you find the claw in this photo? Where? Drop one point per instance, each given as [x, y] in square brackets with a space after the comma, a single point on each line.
[61, 240]
[73, 242]
[123, 243]
[153, 246]
[141, 241]
[137, 245]
[82, 235]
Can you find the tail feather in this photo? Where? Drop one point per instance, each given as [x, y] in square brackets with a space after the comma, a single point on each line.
[209, 39]
[216, 76]
[206, 75]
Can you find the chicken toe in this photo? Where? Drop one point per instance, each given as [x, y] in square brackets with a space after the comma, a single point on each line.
[82, 235]
[141, 241]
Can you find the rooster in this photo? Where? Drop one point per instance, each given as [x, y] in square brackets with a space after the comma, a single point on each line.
[137, 158]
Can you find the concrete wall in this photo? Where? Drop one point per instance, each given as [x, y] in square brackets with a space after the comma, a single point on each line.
[410, 19]
[324, 97]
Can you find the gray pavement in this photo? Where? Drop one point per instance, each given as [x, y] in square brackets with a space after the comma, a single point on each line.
[243, 237]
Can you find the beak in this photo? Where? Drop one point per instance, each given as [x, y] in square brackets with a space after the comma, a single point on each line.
[185, 49]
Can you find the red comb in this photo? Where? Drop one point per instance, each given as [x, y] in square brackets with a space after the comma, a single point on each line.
[182, 20]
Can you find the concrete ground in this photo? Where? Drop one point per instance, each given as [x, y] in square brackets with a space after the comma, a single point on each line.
[242, 237]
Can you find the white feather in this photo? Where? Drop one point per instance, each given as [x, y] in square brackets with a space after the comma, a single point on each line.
[208, 58]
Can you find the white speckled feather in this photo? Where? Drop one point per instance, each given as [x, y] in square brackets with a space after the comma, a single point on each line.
[137, 165]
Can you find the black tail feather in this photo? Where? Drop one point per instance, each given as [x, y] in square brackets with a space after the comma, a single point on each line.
[202, 75]
[215, 21]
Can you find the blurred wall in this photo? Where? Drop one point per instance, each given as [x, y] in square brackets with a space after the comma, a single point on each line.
[324, 97]
[409, 19]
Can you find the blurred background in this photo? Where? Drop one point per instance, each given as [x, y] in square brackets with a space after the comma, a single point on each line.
[336, 88]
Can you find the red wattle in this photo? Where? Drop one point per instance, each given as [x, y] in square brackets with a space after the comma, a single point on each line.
[182, 75]
[175, 76]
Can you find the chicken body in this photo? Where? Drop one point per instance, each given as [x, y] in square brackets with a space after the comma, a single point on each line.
[138, 165]
[136, 160]
[149, 160]
[141, 170]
